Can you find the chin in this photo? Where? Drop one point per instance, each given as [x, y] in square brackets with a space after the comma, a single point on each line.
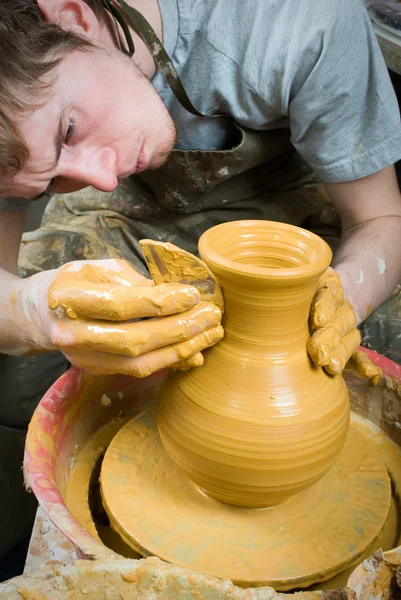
[159, 158]
[163, 147]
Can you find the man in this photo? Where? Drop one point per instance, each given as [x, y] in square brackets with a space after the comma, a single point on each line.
[281, 93]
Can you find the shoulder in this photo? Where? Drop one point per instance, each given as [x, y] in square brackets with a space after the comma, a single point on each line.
[281, 35]
[270, 19]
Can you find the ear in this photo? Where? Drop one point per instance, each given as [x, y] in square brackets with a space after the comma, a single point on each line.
[71, 15]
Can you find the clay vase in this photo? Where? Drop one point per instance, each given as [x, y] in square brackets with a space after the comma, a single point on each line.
[258, 422]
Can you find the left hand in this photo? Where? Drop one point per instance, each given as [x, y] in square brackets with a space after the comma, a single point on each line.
[333, 322]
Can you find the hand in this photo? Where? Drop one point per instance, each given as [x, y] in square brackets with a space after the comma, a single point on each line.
[335, 338]
[90, 309]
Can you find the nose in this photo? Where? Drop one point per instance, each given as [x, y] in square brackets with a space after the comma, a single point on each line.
[90, 166]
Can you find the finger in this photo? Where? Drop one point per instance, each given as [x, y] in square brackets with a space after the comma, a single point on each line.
[146, 364]
[185, 365]
[361, 364]
[194, 361]
[324, 341]
[104, 301]
[133, 339]
[341, 355]
[328, 298]
[170, 355]
[108, 270]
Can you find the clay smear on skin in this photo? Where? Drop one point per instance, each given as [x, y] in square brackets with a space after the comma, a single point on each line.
[103, 305]
[169, 264]
[334, 321]
[95, 292]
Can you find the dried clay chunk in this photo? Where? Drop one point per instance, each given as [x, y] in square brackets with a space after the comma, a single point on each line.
[169, 264]
[127, 580]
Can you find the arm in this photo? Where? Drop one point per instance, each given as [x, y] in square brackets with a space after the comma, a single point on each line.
[11, 229]
[369, 257]
[368, 263]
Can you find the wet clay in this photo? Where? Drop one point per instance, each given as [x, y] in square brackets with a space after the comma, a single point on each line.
[169, 264]
[139, 580]
[361, 365]
[258, 422]
[307, 538]
[136, 338]
[116, 292]
[333, 321]
[78, 489]
[98, 305]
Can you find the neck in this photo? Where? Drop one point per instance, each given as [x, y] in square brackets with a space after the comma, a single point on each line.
[151, 11]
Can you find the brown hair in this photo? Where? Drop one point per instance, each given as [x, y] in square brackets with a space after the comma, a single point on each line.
[29, 49]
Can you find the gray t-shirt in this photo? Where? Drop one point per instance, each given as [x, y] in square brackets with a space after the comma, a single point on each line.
[311, 65]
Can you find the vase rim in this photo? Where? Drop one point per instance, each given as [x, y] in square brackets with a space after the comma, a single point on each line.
[212, 240]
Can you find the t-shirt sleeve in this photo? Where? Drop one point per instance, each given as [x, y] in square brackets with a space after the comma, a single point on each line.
[13, 204]
[344, 115]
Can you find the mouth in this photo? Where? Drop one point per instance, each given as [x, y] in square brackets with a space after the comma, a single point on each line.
[142, 161]
[141, 164]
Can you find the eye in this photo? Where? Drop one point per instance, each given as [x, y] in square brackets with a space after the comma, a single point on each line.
[69, 132]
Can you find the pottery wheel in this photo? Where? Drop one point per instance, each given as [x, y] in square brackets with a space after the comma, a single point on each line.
[308, 538]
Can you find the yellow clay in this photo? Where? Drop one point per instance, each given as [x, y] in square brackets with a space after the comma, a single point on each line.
[110, 319]
[95, 292]
[335, 337]
[361, 364]
[139, 337]
[150, 362]
[325, 340]
[258, 422]
[309, 537]
[340, 355]
[328, 297]
[169, 264]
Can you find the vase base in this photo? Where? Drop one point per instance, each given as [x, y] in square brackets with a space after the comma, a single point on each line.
[308, 538]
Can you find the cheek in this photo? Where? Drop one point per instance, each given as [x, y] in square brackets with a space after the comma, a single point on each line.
[121, 109]
[143, 108]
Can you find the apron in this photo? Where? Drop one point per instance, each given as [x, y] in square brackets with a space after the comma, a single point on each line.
[260, 176]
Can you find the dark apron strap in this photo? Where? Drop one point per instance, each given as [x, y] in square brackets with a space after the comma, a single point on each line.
[155, 47]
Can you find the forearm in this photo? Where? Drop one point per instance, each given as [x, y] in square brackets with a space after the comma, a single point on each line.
[23, 304]
[19, 333]
[12, 333]
[369, 257]
[369, 263]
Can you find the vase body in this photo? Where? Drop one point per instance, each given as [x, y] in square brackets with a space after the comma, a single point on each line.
[258, 421]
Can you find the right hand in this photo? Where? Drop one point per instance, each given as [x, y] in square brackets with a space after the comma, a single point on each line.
[89, 311]
[335, 339]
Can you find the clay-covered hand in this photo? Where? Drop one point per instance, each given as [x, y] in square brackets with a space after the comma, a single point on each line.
[335, 338]
[107, 318]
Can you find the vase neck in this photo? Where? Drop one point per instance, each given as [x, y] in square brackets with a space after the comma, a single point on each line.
[272, 316]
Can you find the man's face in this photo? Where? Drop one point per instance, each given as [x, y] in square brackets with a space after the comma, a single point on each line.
[101, 121]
